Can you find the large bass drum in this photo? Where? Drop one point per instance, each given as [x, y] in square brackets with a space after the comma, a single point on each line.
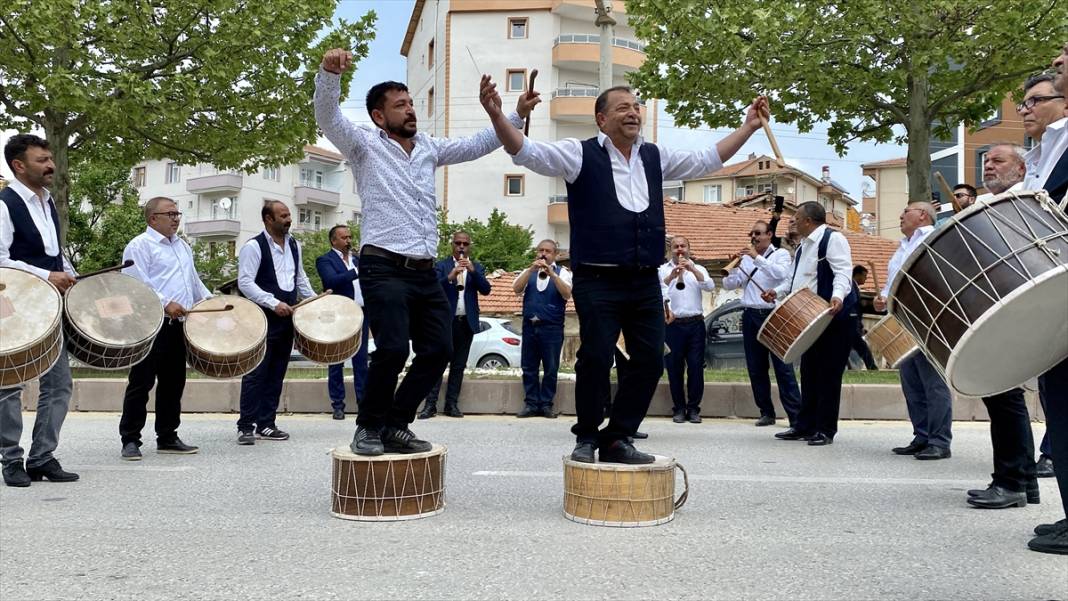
[31, 337]
[225, 344]
[985, 295]
[111, 320]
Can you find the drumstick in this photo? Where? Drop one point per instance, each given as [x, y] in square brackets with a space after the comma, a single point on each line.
[875, 278]
[530, 89]
[124, 265]
[210, 310]
[312, 299]
[948, 191]
[774, 145]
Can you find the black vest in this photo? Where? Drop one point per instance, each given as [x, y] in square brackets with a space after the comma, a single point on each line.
[604, 232]
[27, 245]
[547, 305]
[825, 277]
[265, 277]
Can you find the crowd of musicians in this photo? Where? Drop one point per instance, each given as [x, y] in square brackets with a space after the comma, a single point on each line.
[619, 282]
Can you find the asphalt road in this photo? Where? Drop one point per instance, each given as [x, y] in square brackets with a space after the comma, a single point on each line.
[765, 519]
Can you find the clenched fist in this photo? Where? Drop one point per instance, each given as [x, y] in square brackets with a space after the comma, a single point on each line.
[337, 61]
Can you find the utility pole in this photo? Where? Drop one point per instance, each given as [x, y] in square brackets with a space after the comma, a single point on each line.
[606, 23]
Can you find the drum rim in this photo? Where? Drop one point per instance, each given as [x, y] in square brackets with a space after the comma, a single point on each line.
[262, 322]
[56, 320]
[905, 331]
[80, 332]
[669, 463]
[392, 518]
[356, 334]
[343, 452]
[612, 524]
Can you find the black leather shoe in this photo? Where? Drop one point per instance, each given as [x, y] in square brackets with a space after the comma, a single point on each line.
[819, 439]
[997, 497]
[429, 411]
[398, 440]
[366, 442]
[678, 417]
[583, 452]
[912, 449]
[791, 434]
[176, 447]
[528, 411]
[1054, 542]
[131, 452]
[621, 451]
[694, 417]
[640, 435]
[339, 414]
[765, 420]
[452, 411]
[1057, 526]
[548, 412]
[1044, 467]
[52, 471]
[15, 475]
[932, 452]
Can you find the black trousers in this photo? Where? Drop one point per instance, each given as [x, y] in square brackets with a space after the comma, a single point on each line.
[164, 367]
[858, 344]
[461, 349]
[261, 389]
[1055, 383]
[402, 304]
[822, 366]
[686, 340]
[609, 301]
[1012, 440]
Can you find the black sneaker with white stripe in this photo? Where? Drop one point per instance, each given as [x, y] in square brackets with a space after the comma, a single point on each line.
[269, 433]
[397, 440]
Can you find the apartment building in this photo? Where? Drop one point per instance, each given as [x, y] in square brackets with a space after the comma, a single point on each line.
[450, 43]
[223, 207]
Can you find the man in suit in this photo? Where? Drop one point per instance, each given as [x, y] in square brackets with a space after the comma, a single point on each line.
[857, 343]
[461, 278]
[339, 272]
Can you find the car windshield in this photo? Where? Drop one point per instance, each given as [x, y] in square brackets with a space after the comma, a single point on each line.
[508, 326]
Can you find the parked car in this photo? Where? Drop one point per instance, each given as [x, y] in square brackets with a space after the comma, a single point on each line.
[496, 345]
[723, 345]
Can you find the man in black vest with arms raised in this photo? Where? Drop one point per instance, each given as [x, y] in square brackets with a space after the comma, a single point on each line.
[616, 209]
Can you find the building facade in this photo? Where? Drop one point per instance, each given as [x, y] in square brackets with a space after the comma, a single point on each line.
[451, 43]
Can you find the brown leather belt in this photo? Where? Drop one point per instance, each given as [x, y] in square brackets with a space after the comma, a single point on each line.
[397, 258]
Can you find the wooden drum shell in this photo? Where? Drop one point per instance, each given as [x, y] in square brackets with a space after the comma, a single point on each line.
[893, 342]
[795, 325]
[387, 488]
[620, 495]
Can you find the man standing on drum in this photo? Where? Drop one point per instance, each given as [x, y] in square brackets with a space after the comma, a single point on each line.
[338, 271]
[927, 397]
[270, 273]
[770, 267]
[29, 241]
[394, 170]
[823, 264]
[544, 302]
[615, 205]
[681, 283]
[165, 262]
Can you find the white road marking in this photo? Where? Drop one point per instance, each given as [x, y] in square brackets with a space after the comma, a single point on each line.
[762, 479]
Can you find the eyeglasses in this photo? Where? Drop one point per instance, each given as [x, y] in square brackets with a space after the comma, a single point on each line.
[1032, 101]
[171, 214]
[456, 243]
[961, 195]
[756, 233]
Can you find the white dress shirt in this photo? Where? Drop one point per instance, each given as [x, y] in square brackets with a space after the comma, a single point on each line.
[248, 263]
[685, 302]
[400, 208]
[41, 213]
[839, 257]
[541, 284]
[166, 265]
[773, 267]
[564, 159]
[461, 306]
[902, 253]
[1041, 159]
[347, 260]
[987, 196]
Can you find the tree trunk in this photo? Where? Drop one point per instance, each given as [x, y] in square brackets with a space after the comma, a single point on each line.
[918, 129]
[59, 143]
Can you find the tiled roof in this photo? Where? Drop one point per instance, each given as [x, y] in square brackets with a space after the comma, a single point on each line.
[899, 162]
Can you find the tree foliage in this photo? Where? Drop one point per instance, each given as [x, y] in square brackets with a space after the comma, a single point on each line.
[495, 243]
[864, 66]
[106, 215]
[226, 82]
[214, 263]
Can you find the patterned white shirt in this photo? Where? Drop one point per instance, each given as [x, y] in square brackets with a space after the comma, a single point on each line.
[400, 208]
[772, 269]
[166, 265]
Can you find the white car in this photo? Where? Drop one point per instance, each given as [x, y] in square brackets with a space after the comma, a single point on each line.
[495, 345]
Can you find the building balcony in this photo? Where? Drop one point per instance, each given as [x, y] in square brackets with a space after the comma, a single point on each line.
[213, 228]
[575, 105]
[557, 210]
[305, 193]
[224, 183]
[582, 52]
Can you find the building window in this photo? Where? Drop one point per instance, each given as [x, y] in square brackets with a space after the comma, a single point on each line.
[139, 177]
[517, 28]
[746, 190]
[767, 188]
[430, 103]
[173, 173]
[513, 185]
[231, 248]
[311, 178]
[310, 220]
[356, 216]
[517, 80]
[713, 193]
[430, 54]
[992, 120]
[223, 208]
[272, 173]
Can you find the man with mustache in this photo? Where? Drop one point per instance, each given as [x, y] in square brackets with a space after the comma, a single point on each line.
[394, 168]
[1003, 169]
[543, 327]
[270, 273]
[965, 195]
[684, 332]
[29, 241]
[616, 210]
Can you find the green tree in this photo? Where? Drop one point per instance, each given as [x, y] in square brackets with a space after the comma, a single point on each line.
[226, 82]
[314, 244]
[495, 243]
[865, 66]
[106, 215]
[215, 265]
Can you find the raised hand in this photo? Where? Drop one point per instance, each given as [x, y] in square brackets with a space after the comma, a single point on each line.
[759, 108]
[337, 61]
[527, 101]
[488, 96]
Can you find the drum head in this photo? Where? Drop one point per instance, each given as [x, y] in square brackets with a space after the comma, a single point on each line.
[114, 309]
[233, 332]
[332, 318]
[29, 309]
[986, 362]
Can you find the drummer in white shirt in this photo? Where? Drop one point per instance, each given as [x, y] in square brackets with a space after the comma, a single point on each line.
[770, 267]
[1003, 170]
[685, 330]
[823, 264]
[164, 262]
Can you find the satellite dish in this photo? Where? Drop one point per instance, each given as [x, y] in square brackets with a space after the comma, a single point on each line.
[225, 204]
